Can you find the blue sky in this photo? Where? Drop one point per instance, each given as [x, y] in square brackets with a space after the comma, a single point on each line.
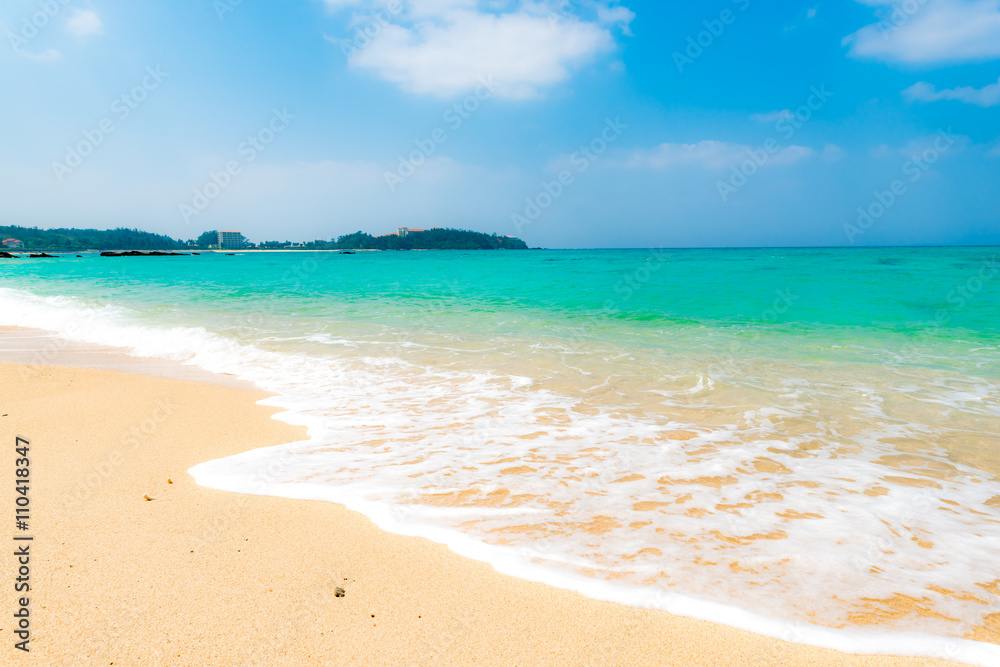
[570, 123]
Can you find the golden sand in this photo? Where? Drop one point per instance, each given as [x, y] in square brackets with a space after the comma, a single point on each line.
[136, 565]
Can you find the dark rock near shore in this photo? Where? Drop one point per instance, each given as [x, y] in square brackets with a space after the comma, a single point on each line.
[7, 255]
[42, 255]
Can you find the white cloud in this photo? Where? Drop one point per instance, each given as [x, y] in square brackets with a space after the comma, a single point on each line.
[621, 16]
[833, 153]
[436, 8]
[446, 47]
[84, 22]
[790, 155]
[772, 116]
[935, 31]
[48, 55]
[942, 142]
[987, 96]
[711, 155]
[995, 151]
[880, 152]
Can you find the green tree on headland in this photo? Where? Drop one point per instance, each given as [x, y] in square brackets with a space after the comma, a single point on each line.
[208, 239]
[86, 239]
[35, 239]
[431, 239]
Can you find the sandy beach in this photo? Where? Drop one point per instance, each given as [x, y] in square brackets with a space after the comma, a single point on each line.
[202, 577]
[480, 332]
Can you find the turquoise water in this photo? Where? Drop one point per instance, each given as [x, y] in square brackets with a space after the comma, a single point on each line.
[805, 434]
[899, 290]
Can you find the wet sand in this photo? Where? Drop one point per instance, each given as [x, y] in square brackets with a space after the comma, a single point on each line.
[202, 577]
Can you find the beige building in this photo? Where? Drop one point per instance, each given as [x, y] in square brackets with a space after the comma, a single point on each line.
[231, 241]
[403, 231]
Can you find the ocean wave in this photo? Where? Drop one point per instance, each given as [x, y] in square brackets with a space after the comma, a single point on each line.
[791, 499]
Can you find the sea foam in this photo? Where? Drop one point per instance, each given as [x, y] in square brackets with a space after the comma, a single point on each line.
[783, 505]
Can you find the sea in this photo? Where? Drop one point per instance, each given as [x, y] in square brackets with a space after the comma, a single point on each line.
[800, 442]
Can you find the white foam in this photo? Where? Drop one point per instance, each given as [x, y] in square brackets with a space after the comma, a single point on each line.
[390, 437]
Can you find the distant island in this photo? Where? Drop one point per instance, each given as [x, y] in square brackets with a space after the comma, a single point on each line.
[32, 238]
[27, 239]
[429, 239]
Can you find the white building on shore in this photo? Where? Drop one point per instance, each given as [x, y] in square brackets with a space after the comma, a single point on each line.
[231, 241]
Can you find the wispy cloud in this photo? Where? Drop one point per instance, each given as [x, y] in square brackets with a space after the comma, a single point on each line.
[46, 56]
[620, 16]
[84, 22]
[936, 31]
[987, 96]
[771, 116]
[934, 143]
[833, 153]
[712, 155]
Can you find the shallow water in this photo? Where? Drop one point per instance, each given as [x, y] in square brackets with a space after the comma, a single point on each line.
[811, 435]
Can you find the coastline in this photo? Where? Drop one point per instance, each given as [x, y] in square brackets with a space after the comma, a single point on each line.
[198, 576]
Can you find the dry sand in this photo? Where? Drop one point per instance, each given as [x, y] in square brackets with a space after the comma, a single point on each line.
[203, 577]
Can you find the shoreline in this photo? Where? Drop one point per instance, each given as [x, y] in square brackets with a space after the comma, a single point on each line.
[198, 576]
